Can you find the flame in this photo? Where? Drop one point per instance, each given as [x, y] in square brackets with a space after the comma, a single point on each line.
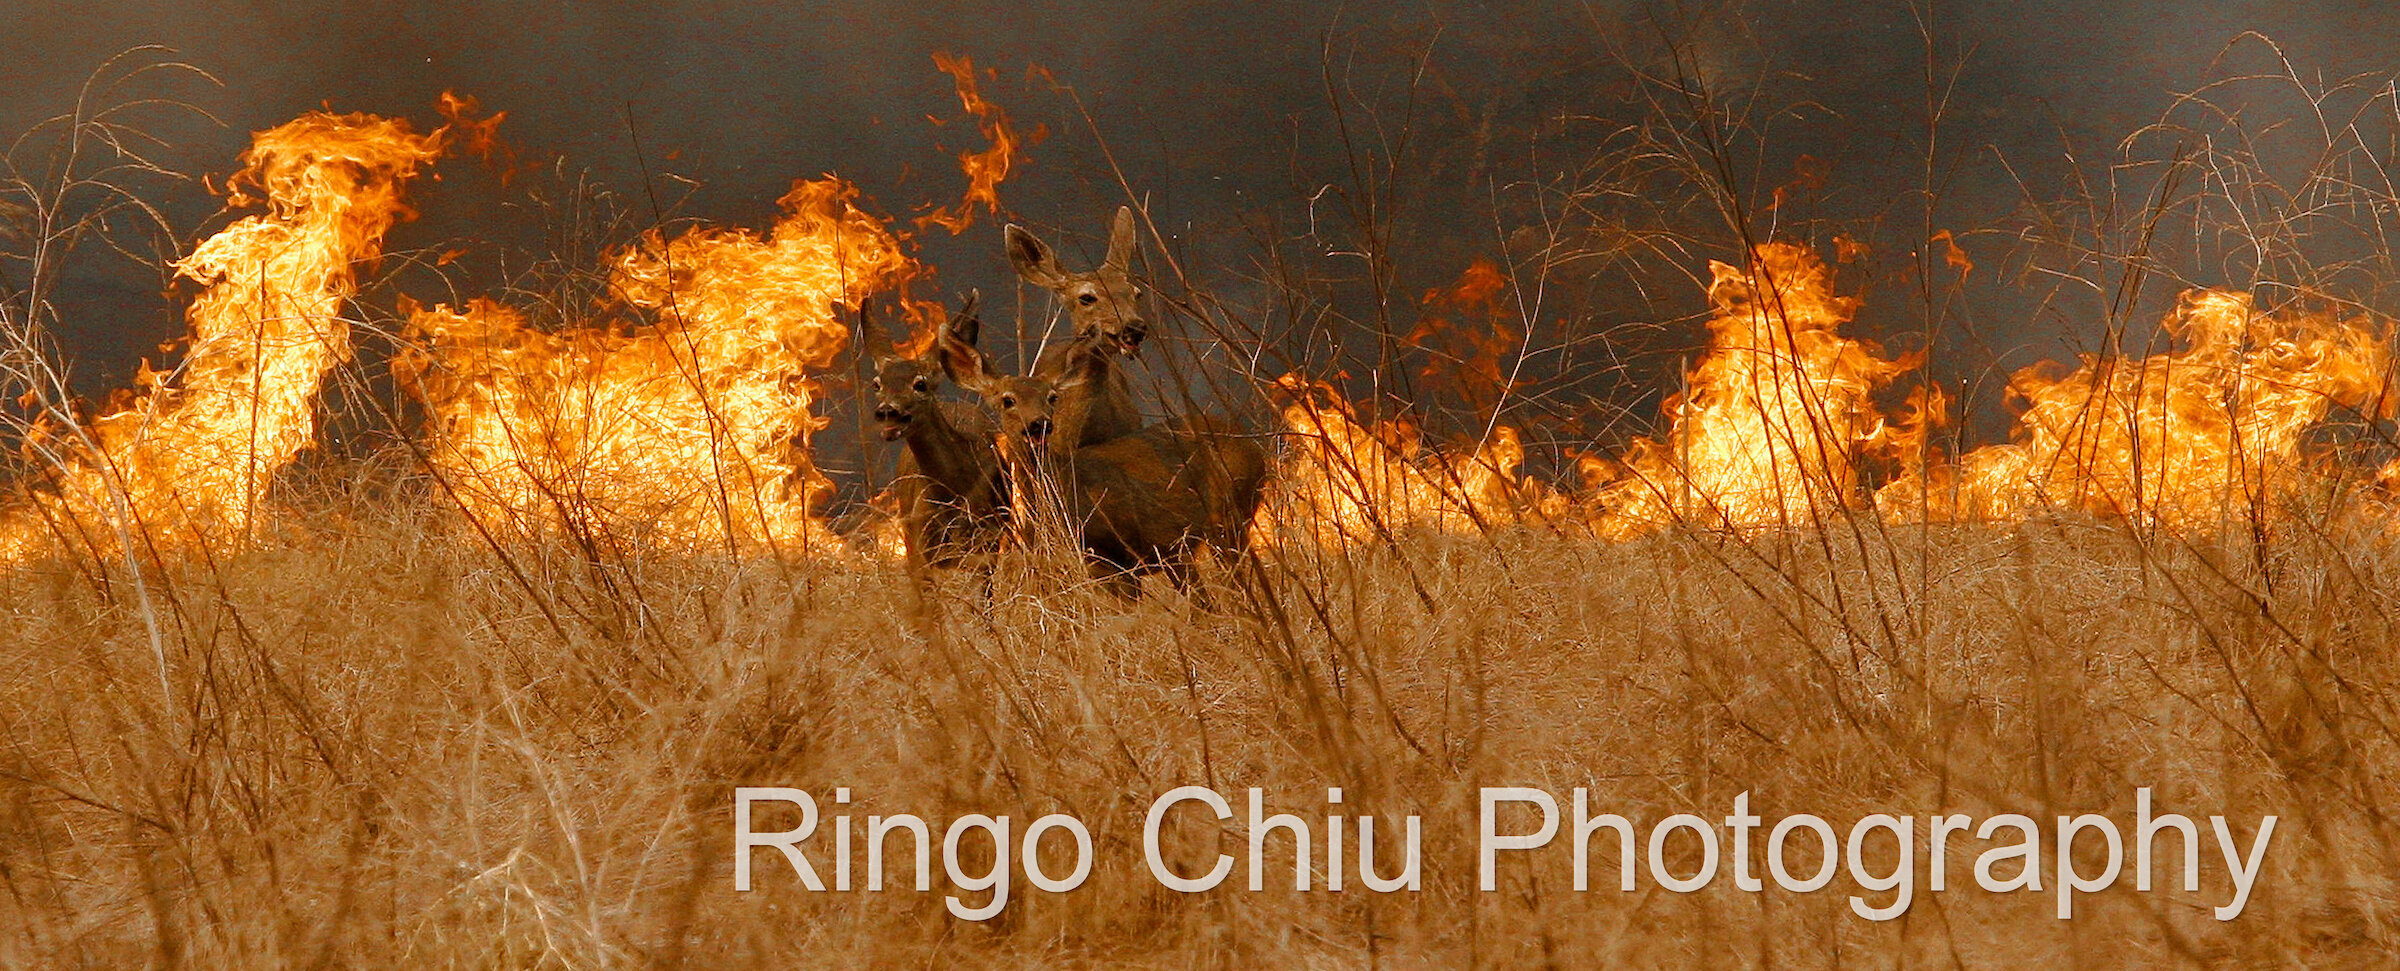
[691, 431]
[1468, 356]
[479, 137]
[1775, 427]
[1780, 424]
[1809, 175]
[1775, 419]
[985, 169]
[188, 457]
[1341, 480]
[2184, 438]
[680, 416]
[1953, 256]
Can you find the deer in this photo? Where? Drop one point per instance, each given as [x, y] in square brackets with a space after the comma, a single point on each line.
[1105, 305]
[954, 504]
[1139, 503]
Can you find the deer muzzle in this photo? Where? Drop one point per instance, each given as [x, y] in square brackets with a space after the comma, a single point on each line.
[1129, 336]
[895, 421]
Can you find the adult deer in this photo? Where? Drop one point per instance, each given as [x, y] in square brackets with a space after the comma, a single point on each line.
[953, 497]
[1106, 307]
[1139, 503]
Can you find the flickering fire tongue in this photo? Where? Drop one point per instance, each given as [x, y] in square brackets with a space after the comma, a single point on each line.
[1774, 418]
[985, 169]
[692, 429]
[2188, 438]
[188, 455]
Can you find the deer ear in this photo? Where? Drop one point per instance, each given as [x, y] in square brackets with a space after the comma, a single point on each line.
[872, 341]
[963, 363]
[1033, 258]
[1121, 240]
[966, 326]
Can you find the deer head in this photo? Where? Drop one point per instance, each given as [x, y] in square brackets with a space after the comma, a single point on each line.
[1103, 301]
[1035, 414]
[905, 387]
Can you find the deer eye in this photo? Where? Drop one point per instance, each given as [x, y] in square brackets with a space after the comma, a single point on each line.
[1008, 401]
[1054, 397]
[920, 386]
[1088, 299]
[875, 383]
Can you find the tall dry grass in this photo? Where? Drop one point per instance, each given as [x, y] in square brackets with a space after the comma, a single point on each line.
[390, 752]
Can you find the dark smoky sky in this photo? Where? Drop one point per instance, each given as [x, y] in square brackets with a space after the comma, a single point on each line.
[1225, 115]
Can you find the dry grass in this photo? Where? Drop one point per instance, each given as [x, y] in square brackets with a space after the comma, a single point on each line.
[389, 752]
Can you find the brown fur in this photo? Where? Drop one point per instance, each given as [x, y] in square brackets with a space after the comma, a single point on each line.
[1141, 502]
[953, 497]
[1105, 304]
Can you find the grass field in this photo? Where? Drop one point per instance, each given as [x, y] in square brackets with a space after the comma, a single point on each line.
[377, 750]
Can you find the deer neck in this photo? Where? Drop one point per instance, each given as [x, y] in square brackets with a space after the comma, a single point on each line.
[943, 452]
[1105, 410]
[1054, 459]
[1108, 412]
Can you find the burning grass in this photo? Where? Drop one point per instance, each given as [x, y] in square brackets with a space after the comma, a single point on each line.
[691, 430]
[186, 459]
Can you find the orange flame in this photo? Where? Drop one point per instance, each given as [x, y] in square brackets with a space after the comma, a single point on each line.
[985, 169]
[1809, 174]
[479, 137]
[1952, 255]
[188, 457]
[1777, 416]
[1469, 356]
[1779, 425]
[2185, 438]
[684, 421]
[691, 431]
[1344, 480]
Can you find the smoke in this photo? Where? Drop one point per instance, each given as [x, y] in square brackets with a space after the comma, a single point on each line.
[1457, 123]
